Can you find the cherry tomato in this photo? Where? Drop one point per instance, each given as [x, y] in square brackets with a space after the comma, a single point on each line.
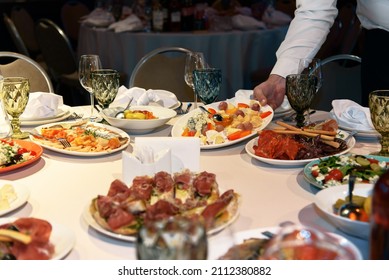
[334, 174]
[22, 151]
[315, 173]
[373, 160]
[33, 153]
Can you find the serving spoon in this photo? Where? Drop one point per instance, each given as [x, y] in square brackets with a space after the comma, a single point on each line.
[216, 117]
[120, 114]
[350, 209]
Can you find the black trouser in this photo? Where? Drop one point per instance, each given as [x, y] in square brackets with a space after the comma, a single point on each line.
[375, 63]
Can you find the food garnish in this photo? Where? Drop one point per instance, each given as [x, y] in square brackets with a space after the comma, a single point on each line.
[139, 115]
[12, 153]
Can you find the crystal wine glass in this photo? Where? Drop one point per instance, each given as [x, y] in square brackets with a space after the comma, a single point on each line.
[87, 64]
[105, 85]
[379, 113]
[300, 90]
[194, 60]
[5, 125]
[15, 93]
[207, 83]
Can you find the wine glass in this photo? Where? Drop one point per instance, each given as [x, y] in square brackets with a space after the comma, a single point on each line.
[5, 125]
[207, 83]
[311, 67]
[173, 238]
[87, 64]
[194, 60]
[379, 113]
[105, 85]
[14, 95]
[300, 90]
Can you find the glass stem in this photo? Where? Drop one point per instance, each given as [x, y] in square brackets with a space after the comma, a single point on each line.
[194, 99]
[92, 107]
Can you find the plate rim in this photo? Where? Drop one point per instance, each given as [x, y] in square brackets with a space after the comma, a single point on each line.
[37, 148]
[296, 163]
[40, 121]
[177, 127]
[22, 192]
[84, 154]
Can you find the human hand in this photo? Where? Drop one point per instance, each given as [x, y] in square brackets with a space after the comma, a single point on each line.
[271, 91]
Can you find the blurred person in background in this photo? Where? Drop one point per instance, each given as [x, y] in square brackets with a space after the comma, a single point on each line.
[308, 31]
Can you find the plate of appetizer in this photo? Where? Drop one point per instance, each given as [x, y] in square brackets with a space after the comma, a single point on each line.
[86, 139]
[329, 200]
[109, 214]
[291, 146]
[335, 170]
[31, 238]
[240, 121]
[15, 154]
[62, 113]
[12, 196]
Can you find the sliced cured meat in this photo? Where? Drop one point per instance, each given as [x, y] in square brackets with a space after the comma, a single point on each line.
[204, 183]
[160, 210]
[142, 187]
[117, 186]
[120, 218]
[213, 210]
[38, 229]
[183, 179]
[163, 182]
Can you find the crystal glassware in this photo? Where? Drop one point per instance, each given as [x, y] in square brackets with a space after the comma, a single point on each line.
[87, 64]
[105, 85]
[207, 83]
[14, 94]
[173, 238]
[379, 113]
[194, 60]
[300, 90]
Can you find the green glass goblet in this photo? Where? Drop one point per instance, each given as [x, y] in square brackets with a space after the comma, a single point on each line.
[105, 85]
[379, 113]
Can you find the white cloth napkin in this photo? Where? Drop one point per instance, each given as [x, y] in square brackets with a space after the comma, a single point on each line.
[244, 22]
[142, 97]
[130, 23]
[350, 114]
[99, 18]
[273, 17]
[42, 105]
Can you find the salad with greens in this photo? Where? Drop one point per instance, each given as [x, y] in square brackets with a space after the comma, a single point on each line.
[335, 170]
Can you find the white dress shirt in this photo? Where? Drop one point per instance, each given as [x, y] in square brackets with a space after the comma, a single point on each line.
[311, 24]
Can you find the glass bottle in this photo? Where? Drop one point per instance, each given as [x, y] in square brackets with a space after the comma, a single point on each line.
[175, 16]
[157, 16]
[187, 14]
[379, 235]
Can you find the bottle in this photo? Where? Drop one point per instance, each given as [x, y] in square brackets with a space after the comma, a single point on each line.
[379, 235]
[174, 16]
[187, 14]
[157, 16]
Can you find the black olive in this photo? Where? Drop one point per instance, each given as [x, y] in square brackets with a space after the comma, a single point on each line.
[12, 227]
[8, 257]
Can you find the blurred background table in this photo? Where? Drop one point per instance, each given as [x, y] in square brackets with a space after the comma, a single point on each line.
[238, 53]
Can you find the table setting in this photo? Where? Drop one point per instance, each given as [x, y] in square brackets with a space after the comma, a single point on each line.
[62, 185]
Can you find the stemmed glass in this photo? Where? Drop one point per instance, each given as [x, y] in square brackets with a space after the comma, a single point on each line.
[14, 95]
[379, 113]
[5, 125]
[105, 85]
[207, 83]
[300, 90]
[87, 64]
[194, 60]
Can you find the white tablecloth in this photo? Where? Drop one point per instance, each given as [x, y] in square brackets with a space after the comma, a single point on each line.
[62, 186]
[237, 53]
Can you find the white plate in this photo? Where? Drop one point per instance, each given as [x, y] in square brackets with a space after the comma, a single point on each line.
[139, 126]
[92, 222]
[326, 198]
[62, 114]
[363, 133]
[219, 248]
[178, 127]
[84, 154]
[251, 152]
[22, 193]
[61, 237]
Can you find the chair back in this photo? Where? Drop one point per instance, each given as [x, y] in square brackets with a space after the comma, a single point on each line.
[15, 35]
[341, 80]
[24, 66]
[56, 48]
[163, 68]
[71, 13]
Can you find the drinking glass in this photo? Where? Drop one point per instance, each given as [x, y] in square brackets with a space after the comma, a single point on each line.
[379, 113]
[105, 85]
[5, 125]
[194, 60]
[300, 90]
[87, 64]
[14, 95]
[173, 238]
[207, 83]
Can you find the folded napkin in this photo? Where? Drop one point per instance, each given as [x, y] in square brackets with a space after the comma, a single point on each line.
[350, 114]
[273, 17]
[42, 105]
[142, 96]
[130, 23]
[244, 22]
[99, 18]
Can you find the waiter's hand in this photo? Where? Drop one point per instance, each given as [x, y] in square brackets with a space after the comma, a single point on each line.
[271, 91]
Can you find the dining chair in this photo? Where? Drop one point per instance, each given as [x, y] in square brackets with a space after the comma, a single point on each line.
[15, 35]
[163, 68]
[341, 80]
[16, 64]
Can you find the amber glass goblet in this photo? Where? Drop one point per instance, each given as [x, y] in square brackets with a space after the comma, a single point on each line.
[379, 113]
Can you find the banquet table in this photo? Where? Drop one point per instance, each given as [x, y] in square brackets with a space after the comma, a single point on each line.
[62, 186]
[237, 53]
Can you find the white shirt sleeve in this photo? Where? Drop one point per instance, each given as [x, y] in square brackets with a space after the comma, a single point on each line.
[307, 32]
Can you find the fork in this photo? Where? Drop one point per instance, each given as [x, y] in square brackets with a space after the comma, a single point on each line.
[61, 140]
